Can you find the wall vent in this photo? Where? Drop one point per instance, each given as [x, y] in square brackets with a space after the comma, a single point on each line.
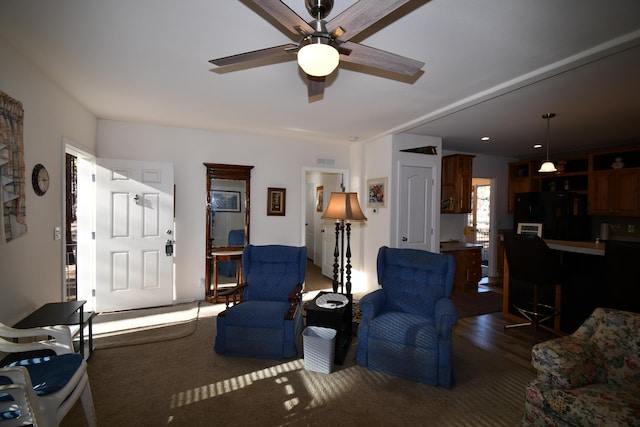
[330, 162]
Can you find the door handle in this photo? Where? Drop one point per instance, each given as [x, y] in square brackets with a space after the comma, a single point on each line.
[168, 248]
[404, 239]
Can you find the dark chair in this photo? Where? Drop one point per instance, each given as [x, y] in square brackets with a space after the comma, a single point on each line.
[406, 326]
[536, 269]
[267, 322]
[228, 268]
[621, 275]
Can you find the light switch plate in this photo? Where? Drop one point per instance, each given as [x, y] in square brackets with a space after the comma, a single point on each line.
[57, 232]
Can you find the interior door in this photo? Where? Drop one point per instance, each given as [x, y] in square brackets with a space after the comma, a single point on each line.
[309, 224]
[416, 207]
[134, 234]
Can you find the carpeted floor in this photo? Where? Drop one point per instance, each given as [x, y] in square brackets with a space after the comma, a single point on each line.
[182, 382]
[132, 327]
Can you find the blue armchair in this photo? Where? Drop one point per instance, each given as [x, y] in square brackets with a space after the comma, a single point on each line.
[228, 268]
[406, 325]
[267, 322]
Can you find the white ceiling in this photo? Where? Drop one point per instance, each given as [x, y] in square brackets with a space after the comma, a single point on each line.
[493, 67]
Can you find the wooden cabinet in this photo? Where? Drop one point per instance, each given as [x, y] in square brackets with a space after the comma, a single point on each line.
[614, 182]
[468, 268]
[457, 172]
[520, 174]
[572, 176]
[615, 192]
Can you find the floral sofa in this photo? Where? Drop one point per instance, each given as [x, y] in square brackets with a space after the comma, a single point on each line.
[588, 378]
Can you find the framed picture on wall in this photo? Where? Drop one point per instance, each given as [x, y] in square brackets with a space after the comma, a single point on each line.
[276, 201]
[225, 201]
[319, 198]
[377, 193]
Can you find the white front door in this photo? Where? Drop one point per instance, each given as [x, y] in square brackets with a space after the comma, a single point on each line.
[134, 223]
[416, 207]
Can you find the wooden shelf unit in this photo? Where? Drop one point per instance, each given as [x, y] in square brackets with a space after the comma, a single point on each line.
[615, 191]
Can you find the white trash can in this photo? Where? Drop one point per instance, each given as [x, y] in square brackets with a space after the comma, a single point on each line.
[319, 348]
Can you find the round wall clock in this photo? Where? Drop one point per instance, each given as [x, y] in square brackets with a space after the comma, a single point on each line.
[40, 179]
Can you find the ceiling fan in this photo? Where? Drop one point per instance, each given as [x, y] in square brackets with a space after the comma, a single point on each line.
[323, 44]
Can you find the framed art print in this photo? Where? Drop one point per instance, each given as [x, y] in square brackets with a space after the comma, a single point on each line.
[276, 201]
[377, 193]
[320, 198]
[225, 201]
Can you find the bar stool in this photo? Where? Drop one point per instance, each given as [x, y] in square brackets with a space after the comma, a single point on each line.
[533, 264]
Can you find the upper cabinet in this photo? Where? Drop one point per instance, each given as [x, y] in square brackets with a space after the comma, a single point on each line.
[457, 172]
[572, 175]
[614, 182]
[610, 178]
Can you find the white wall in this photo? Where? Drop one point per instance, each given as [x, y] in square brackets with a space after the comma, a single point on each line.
[31, 266]
[379, 159]
[277, 163]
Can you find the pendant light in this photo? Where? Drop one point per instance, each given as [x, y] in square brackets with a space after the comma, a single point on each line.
[548, 165]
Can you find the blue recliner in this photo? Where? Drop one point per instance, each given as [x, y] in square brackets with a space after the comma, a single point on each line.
[228, 268]
[268, 320]
[406, 325]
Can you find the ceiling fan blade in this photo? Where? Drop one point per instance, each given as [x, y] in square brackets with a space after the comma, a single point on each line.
[271, 52]
[284, 15]
[315, 85]
[376, 58]
[361, 15]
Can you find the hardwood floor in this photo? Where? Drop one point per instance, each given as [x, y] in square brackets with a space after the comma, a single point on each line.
[487, 332]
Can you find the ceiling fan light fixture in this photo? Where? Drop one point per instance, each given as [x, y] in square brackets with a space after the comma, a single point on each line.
[318, 57]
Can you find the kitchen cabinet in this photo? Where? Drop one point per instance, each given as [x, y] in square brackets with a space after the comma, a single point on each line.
[614, 182]
[468, 265]
[457, 172]
[572, 175]
[519, 180]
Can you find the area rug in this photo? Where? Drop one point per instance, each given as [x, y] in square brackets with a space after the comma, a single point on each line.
[476, 303]
[184, 383]
[141, 326]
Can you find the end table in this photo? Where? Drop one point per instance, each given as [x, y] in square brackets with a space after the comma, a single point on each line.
[339, 319]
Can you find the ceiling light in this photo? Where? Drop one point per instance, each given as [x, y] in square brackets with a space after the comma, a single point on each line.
[485, 138]
[318, 57]
[536, 146]
[547, 165]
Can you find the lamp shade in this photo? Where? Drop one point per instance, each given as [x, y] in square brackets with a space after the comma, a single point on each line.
[547, 166]
[318, 58]
[344, 206]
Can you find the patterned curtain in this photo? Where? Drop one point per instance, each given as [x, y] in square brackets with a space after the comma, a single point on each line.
[12, 173]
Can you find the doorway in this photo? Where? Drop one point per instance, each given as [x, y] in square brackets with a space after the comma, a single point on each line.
[478, 228]
[317, 185]
[78, 282]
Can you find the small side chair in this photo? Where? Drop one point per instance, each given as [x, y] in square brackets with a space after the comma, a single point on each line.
[40, 391]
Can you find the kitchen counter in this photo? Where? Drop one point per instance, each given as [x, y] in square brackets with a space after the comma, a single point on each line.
[458, 246]
[468, 261]
[589, 248]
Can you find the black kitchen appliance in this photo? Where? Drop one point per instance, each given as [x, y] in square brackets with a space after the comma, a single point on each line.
[563, 214]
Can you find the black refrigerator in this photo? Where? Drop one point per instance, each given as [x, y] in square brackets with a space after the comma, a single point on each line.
[563, 214]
